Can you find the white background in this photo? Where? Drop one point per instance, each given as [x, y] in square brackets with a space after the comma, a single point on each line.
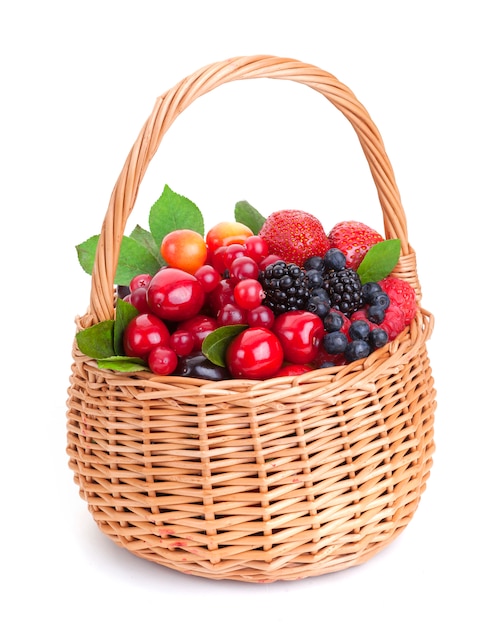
[78, 80]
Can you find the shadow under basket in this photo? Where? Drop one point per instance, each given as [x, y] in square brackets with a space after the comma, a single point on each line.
[255, 481]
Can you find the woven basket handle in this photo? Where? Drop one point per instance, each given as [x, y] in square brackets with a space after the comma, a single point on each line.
[175, 100]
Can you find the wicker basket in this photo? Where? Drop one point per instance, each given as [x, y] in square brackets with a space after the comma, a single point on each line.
[261, 481]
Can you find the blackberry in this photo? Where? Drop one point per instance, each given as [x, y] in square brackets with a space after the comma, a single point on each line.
[285, 286]
[344, 289]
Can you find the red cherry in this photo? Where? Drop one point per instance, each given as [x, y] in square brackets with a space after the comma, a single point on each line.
[301, 334]
[143, 333]
[249, 293]
[256, 247]
[175, 295]
[181, 342]
[256, 353]
[162, 360]
[261, 316]
[199, 326]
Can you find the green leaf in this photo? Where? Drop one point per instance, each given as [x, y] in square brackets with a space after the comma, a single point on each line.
[145, 238]
[215, 344]
[86, 253]
[97, 341]
[122, 364]
[173, 212]
[134, 259]
[125, 312]
[379, 261]
[245, 213]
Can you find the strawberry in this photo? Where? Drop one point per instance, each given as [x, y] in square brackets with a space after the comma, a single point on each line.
[294, 236]
[401, 293]
[354, 239]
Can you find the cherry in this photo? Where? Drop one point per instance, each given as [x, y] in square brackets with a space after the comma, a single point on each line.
[261, 316]
[143, 333]
[231, 313]
[141, 280]
[244, 267]
[181, 342]
[256, 353]
[199, 326]
[301, 335]
[175, 295]
[291, 369]
[233, 251]
[139, 299]
[256, 248]
[249, 293]
[208, 276]
[226, 233]
[162, 360]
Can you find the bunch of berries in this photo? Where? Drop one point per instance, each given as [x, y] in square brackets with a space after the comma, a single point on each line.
[292, 314]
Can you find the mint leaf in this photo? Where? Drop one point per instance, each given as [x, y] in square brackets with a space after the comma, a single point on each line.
[379, 261]
[125, 312]
[134, 259]
[215, 344]
[145, 238]
[173, 212]
[97, 341]
[122, 364]
[245, 213]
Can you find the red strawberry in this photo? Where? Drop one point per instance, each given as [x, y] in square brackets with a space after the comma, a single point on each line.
[294, 236]
[401, 293]
[354, 239]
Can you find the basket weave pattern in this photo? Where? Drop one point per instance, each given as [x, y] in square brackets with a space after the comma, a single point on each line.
[253, 480]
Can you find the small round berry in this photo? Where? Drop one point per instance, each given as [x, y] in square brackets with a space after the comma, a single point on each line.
[260, 316]
[381, 299]
[256, 248]
[335, 342]
[231, 314]
[357, 349]
[334, 259]
[375, 313]
[378, 337]
[182, 342]
[314, 278]
[319, 306]
[233, 251]
[314, 263]
[333, 321]
[244, 267]
[139, 299]
[141, 280]
[248, 293]
[208, 276]
[369, 290]
[359, 329]
[162, 360]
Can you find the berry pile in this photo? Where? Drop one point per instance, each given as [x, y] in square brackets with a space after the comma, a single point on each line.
[272, 301]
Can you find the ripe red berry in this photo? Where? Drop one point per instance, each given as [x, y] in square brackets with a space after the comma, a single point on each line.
[162, 360]
[143, 333]
[256, 353]
[353, 239]
[400, 292]
[301, 334]
[175, 295]
[249, 293]
[294, 236]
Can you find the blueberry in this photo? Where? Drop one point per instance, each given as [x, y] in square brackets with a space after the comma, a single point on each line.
[375, 313]
[314, 278]
[378, 337]
[335, 342]
[333, 321]
[334, 259]
[357, 349]
[313, 263]
[321, 293]
[369, 290]
[318, 306]
[359, 329]
[381, 299]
